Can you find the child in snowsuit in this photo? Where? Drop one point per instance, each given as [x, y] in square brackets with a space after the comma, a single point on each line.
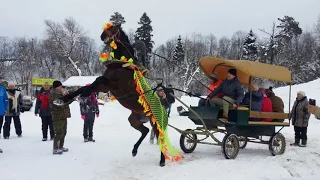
[165, 104]
[89, 109]
[59, 117]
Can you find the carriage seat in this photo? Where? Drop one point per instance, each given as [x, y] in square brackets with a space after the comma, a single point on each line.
[272, 115]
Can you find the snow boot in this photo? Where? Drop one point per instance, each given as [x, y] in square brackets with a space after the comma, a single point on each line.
[303, 143]
[51, 139]
[57, 151]
[1, 151]
[44, 139]
[91, 139]
[64, 149]
[6, 137]
[296, 142]
[86, 140]
[20, 136]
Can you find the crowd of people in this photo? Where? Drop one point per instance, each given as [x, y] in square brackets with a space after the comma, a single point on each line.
[53, 117]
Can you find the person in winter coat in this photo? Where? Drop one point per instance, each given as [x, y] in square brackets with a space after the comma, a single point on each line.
[256, 100]
[89, 109]
[164, 102]
[214, 83]
[266, 105]
[14, 104]
[232, 91]
[170, 98]
[300, 119]
[59, 114]
[277, 103]
[3, 103]
[43, 109]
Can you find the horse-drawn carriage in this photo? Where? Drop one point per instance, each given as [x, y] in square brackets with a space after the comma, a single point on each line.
[238, 129]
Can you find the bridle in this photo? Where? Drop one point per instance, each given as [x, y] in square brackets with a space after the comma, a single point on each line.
[114, 37]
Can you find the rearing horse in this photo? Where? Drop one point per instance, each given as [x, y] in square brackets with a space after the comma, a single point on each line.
[126, 82]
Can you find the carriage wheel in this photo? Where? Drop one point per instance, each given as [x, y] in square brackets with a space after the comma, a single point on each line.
[277, 144]
[230, 146]
[243, 141]
[188, 142]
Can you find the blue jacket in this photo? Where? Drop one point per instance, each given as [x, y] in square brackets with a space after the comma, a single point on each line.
[3, 100]
[231, 88]
[256, 102]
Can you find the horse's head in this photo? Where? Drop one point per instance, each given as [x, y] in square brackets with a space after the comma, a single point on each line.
[110, 33]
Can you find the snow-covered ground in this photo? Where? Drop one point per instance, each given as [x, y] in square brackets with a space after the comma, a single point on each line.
[29, 158]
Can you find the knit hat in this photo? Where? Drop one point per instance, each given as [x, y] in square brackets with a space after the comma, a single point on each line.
[302, 93]
[233, 72]
[262, 90]
[56, 84]
[11, 84]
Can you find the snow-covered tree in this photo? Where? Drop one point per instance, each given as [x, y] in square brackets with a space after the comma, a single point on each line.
[143, 33]
[178, 55]
[117, 19]
[250, 48]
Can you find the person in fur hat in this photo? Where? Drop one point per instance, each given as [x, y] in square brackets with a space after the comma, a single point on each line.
[299, 117]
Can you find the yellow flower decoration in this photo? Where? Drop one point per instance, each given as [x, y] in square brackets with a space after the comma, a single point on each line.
[113, 45]
[107, 26]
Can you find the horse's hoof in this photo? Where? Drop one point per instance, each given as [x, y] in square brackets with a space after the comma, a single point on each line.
[162, 164]
[134, 152]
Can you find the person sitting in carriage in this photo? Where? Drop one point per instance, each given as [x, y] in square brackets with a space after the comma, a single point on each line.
[256, 100]
[232, 93]
[214, 83]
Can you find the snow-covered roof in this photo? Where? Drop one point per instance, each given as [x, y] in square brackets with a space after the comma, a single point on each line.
[79, 80]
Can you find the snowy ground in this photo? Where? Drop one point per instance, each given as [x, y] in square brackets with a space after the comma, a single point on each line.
[110, 157]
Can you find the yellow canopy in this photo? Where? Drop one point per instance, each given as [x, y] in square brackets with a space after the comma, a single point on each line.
[245, 69]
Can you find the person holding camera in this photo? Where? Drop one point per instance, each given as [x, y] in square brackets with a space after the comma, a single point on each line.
[300, 118]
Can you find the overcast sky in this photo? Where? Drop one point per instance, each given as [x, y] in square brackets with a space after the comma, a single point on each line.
[169, 17]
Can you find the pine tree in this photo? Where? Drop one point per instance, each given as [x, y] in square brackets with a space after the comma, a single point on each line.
[117, 19]
[143, 33]
[250, 48]
[178, 55]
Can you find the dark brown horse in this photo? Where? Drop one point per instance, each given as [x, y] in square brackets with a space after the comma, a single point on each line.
[119, 81]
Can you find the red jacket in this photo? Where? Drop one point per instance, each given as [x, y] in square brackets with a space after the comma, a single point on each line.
[213, 86]
[266, 107]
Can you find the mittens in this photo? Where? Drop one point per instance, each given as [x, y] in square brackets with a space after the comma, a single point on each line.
[83, 117]
[97, 115]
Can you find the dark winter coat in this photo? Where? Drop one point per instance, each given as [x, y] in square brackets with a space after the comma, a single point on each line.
[231, 88]
[89, 105]
[277, 103]
[164, 101]
[14, 102]
[42, 104]
[169, 97]
[256, 102]
[58, 112]
[299, 113]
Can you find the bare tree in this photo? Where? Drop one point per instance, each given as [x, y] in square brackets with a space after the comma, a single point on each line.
[65, 38]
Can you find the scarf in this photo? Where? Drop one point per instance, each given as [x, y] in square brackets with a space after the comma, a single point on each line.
[13, 96]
